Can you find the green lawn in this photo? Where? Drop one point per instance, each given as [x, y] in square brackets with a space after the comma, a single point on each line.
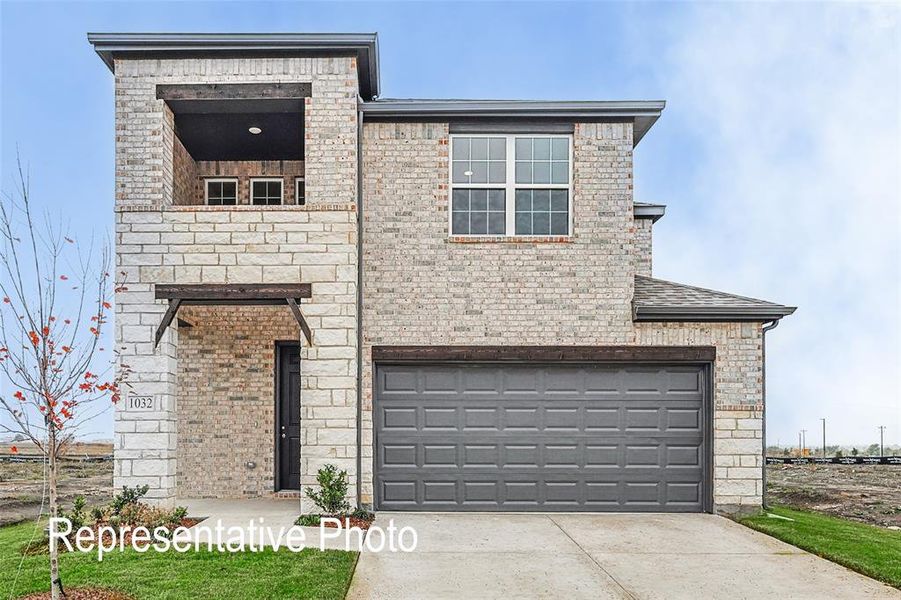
[870, 550]
[267, 574]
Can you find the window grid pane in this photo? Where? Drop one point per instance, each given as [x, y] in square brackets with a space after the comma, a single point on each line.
[479, 160]
[542, 160]
[542, 212]
[478, 212]
[266, 192]
[222, 193]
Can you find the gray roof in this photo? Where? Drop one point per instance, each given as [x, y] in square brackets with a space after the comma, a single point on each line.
[643, 113]
[659, 300]
[155, 45]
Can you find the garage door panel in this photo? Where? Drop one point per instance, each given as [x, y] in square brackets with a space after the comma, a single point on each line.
[551, 437]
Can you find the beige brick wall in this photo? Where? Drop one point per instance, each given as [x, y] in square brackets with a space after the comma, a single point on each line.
[422, 288]
[226, 391]
[643, 246]
[145, 136]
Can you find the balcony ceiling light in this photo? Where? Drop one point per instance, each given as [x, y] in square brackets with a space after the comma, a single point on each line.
[255, 130]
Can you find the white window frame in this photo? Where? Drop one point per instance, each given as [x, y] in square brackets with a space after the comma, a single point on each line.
[296, 187]
[206, 189]
[510, 186]
[281, 200]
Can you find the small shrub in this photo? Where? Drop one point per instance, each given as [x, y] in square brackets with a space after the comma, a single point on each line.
[362, 513]
[309, 520]
[332, 494]
[76, 516]
[127, 497]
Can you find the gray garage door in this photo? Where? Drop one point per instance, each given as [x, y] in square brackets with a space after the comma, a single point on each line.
[543, 438]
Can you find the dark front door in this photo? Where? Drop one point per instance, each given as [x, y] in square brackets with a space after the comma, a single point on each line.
[287, 457]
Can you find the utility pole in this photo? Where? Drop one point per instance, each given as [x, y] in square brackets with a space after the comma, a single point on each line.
[881, 440]
[800, 449]
[824, 437]
[803, 441]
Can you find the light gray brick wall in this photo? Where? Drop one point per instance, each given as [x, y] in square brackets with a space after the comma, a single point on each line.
[145, 125]
[420, 287]
[643, 246]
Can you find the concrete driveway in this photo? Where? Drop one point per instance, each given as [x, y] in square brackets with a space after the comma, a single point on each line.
[599, 556]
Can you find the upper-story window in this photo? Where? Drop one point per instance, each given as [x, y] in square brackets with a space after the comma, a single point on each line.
[266, 190]
[510, 185]
[221, 192]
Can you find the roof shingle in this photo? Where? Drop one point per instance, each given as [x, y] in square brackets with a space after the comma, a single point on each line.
[659, 300]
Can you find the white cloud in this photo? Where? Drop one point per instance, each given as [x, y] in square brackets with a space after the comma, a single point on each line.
[793, 194]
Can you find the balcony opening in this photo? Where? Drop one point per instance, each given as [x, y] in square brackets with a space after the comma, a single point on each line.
[228, 138]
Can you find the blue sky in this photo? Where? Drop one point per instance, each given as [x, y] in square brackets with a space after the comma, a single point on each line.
[778, 154]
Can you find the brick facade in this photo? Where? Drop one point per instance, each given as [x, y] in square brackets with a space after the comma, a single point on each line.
[190, 176]
[213, 382]
[421, 286]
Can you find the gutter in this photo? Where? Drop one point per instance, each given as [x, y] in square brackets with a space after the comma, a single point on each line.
[712, 313]
[359, 303]
[767, 327]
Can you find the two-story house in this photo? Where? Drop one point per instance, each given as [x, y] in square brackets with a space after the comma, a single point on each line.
[450, 299]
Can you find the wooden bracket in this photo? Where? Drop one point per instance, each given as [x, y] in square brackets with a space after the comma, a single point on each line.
[304, 327]
[167, 320]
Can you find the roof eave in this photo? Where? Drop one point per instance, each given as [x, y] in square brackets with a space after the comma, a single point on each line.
[364, 45]
[643, 113]
[718, 314]
[649, 211]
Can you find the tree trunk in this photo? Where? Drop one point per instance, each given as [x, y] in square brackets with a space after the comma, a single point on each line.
[56, 585]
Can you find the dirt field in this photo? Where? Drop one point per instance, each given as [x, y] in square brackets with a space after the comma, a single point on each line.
[21, 483]
[866, 493]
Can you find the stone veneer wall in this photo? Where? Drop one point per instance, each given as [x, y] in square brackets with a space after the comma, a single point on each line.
[422, 288]
[316, 245]
[226, 411]
[158, 244]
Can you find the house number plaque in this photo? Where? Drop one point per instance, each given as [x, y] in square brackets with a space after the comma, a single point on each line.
[140, 403]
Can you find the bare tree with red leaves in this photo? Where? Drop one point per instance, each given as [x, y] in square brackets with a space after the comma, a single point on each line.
[55, 302]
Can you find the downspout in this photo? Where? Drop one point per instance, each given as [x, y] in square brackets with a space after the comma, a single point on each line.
[359, 303]
[766, 328]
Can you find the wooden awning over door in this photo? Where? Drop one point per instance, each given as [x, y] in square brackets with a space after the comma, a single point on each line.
[233, 294]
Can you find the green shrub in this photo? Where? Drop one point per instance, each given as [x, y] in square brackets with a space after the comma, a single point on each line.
[332, 494]
[362, 513]
[127, 497]
[307, 520]
[76, 516]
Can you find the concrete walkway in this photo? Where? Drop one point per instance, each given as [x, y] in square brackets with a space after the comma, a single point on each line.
[278, 514]
[599, 556]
